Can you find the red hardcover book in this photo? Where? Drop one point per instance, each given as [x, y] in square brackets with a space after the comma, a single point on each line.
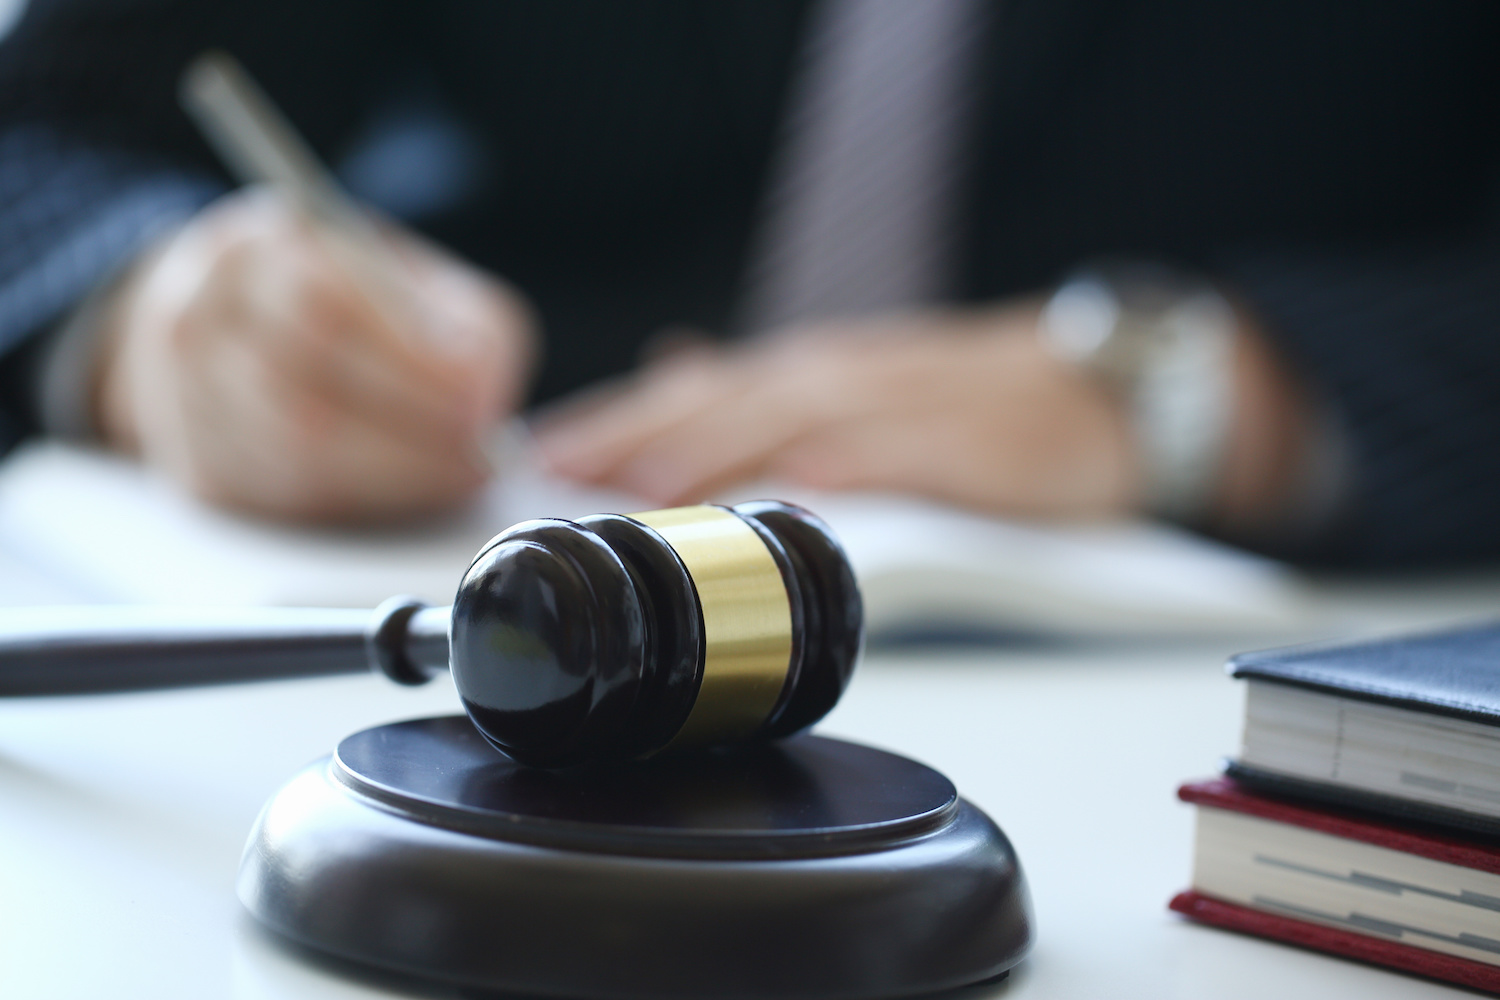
[1345, 932]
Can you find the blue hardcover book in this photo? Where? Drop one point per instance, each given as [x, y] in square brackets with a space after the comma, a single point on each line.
[1405, 727]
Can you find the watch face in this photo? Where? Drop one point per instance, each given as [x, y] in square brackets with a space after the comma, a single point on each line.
[1163, 342]
[1080, 318]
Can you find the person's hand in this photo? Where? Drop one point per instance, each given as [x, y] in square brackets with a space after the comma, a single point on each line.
[967, 407]
[246, 358]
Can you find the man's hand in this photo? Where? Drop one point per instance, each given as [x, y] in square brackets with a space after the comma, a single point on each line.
[967, 407]
[248, 359]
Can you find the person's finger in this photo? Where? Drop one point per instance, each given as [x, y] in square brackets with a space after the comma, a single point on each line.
[317, 331]
[379, 287]
[590, 439]
[336, 367]
[783, 394]
[751, 403]
[266, 444]
[375, 288]
[235, 429]
[250, 370]
[488, 328]
[724, 443]
[902, 453]
[883, 394]
[472, 335]
[960, 454]
[557, 420]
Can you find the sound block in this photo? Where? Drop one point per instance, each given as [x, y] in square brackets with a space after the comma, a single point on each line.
[810, 868]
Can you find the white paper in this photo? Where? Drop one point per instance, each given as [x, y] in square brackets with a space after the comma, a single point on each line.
[116, 532]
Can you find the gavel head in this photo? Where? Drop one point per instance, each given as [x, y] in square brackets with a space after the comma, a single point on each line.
[617, 636]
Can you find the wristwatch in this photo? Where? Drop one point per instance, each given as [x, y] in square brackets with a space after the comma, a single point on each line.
[1164, 343]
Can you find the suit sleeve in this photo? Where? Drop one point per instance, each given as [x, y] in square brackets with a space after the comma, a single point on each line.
[1404, 345]
[97, 159]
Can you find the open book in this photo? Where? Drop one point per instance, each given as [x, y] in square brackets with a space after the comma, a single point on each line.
[115, 532]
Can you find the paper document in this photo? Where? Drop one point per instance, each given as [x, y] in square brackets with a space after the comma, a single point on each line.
[116, 532]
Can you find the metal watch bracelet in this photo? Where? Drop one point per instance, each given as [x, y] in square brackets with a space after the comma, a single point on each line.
[1164, 343]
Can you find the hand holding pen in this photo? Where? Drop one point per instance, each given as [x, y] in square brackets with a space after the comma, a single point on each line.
[286, 353]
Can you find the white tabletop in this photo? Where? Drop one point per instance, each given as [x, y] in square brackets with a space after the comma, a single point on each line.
[122, 818]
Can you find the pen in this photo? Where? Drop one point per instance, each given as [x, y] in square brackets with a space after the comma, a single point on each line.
[260, 146]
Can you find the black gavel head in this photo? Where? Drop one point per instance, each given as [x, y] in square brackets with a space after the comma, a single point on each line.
[617, 636]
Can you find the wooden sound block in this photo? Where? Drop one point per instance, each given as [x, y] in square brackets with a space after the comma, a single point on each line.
[810, 868]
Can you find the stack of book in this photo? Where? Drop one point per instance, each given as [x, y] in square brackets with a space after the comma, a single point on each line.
[1362, 816]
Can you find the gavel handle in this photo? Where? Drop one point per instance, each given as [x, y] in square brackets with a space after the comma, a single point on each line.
[83, 650]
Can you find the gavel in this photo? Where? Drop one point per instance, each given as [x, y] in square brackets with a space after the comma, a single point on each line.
[612, 637]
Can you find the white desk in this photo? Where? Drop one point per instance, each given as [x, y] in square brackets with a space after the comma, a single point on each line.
[122, 819]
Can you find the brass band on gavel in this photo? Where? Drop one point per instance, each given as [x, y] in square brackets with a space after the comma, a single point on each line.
[619, 636]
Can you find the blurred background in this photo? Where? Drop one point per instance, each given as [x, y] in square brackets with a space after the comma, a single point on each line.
[1118, 293]
[1110, 338]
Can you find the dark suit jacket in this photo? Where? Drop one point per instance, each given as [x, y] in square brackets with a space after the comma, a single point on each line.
[1334, 164]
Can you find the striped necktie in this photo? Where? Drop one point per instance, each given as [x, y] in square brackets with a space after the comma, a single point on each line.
[858, 215]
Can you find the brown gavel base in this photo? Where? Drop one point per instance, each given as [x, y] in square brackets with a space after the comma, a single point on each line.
[809, 868]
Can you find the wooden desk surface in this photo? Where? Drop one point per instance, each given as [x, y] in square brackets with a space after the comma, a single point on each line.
[122, 817]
